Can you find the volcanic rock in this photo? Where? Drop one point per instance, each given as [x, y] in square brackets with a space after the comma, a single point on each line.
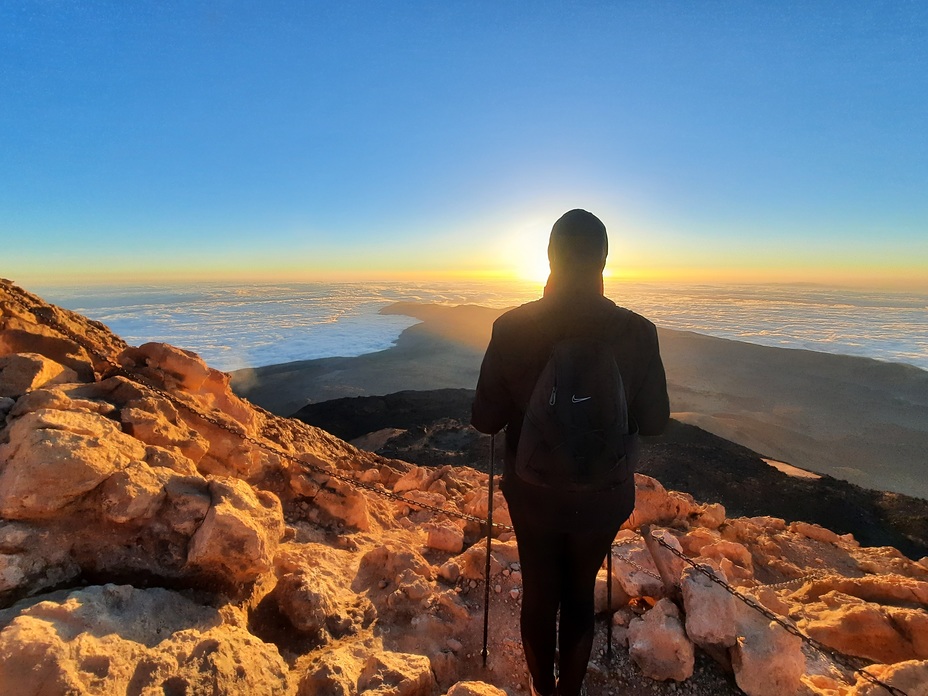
[159, 534]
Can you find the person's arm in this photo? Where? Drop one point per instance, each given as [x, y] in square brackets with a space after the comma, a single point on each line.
[493, 403]
[651, 407]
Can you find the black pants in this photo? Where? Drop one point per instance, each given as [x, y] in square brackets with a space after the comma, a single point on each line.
[559, 574]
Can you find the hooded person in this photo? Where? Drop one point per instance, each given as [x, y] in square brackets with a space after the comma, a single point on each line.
[563, 535]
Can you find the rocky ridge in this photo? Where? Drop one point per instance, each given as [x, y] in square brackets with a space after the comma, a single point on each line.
[160, 535]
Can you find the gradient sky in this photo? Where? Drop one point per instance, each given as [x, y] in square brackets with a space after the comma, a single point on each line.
[776, 141]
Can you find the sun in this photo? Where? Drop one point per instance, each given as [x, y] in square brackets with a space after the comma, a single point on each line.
[527, 249]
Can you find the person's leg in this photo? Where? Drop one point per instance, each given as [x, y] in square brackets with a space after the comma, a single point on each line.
[584, 556]
[540, 555]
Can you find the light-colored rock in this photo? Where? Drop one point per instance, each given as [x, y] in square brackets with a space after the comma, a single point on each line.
[815, 532]
[471, 564]
[767, 660]
[134, 492]
[880, 633]
[635, 581]
[240, 533]
[24, 372]
[344, 503]
[356, 667]
[444, 537]
[156, 421]
[32, 558]
[54, 457]
[418, 478]
[187, 500]
[403, 674]
[669, 564]
[710, 516]
[656, 505]
[312, 600]
[474, 688]
[182, 370]
[172, 496]
[885, 589]
[710, 610]
[658, 644]
[477, 503]
[733, 558]
[910, 677]
[388, 561]
[117, 639]
[619, 596]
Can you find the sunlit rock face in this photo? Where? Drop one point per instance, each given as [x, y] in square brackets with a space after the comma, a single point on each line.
[158, 534]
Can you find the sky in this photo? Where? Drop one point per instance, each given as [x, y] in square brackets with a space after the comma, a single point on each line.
[718, 141]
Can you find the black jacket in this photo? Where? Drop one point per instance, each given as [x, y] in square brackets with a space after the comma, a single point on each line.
[520, 345]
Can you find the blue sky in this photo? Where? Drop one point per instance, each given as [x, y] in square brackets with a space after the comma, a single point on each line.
[718, 141]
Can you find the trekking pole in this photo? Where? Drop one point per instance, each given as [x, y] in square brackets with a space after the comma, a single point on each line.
[609, 604]
[486, 588]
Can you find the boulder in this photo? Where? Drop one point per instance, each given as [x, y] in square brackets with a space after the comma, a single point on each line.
[418, 478]
[656, 505]
[471, 564]
[344, 503]
[816, 533]
[313, 600]
[733, 558]
[155, 421]
[24, 372]
[868, 630]
[910, 677]
[357, 667]
[399, 674]
[444, 537]
[53, 457]
[135, 492]
[767, 660]
[474, 688]
[710, 610]
[619, 596]
[386, 562]
[658, 644]
[634, 568]
[118, 639]
[240, 533]
[182, 370]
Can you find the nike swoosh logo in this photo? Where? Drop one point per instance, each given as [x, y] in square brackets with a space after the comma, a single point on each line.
[575, 400]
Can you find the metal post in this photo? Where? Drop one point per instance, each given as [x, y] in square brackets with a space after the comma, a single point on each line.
[486, 588]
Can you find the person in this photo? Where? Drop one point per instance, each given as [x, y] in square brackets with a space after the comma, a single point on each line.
[563, 536]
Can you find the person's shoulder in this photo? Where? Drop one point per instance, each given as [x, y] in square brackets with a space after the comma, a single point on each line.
[632, 322]
[517, 318]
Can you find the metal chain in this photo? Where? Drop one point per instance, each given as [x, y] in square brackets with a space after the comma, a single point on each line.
[814, 575]
[629, 561]
[780, 621]
[44, 315]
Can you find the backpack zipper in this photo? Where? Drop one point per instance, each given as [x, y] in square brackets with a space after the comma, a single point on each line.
[553, 395]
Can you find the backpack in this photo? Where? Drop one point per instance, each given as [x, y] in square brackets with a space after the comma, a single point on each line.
[576, 432]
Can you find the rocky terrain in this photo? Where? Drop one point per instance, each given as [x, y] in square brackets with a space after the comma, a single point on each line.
[159, 535]
[431, 428]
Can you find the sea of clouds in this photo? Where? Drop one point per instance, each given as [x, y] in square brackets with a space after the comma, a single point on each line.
[235, 326]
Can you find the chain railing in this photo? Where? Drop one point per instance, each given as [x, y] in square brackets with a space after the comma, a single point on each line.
[786, 625]
[44, 315]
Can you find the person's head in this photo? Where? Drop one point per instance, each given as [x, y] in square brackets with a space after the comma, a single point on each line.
[578, 244]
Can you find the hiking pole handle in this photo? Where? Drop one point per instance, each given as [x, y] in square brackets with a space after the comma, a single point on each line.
[486, 584]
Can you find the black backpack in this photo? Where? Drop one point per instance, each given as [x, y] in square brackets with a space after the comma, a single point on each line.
[576, 433]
